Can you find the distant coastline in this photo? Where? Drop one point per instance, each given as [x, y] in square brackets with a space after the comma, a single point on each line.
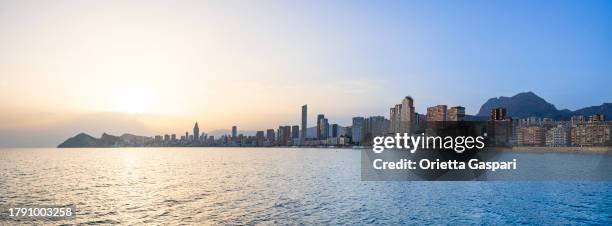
[592, 150]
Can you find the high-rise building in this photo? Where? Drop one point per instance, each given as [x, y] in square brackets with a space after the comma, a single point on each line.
[498, 114]
[334, 129]
[597, 118]
[284, 133]
[591, 134]
[533, 135]
[270, 135]
[166, 138]
[577, 119]
[259, 136]
[325, 128]
[304, 122]
[196, 132]
[322, 127]
[436, 113]
[357, 130]
[374, 126]
[173, 137]
[558, 136]
[234, 131]
[402, 117]
[186, 135]
[295, 132]
[320, 118]
[456, 113]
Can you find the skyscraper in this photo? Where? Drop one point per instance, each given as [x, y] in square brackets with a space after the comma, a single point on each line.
[284, 133]
[295, 132]
[324, 128]
[259, 137]
[320, 118]
[196, 132]
[334, 129]
[402, 117]
[436, 113]
[357, 130]
[270, 135]
[374, 126]
[304, 122]
[234, 131]
[456, 113]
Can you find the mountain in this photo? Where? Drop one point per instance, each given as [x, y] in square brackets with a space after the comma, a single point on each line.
[605, 109]
[529, 104]
[80, 140]
[83, 140]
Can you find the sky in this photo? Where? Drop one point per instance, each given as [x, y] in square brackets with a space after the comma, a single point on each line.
[155, 67]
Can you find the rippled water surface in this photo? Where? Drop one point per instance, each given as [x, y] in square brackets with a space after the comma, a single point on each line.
[274, 186]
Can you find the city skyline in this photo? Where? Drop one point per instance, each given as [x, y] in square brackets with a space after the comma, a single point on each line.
[116, 66]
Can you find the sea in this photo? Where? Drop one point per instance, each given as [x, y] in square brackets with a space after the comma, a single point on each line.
[274, 186]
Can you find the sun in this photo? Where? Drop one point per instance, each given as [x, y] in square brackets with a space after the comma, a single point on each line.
[132, 100]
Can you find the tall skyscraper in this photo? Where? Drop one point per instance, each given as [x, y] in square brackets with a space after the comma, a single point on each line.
[320, 118]
[456, 113]
[436, 113]
[196, 131]
[357, 130]
[402, 117]
[304, 122]
[234, 131]
[323, 128]
[334, 129]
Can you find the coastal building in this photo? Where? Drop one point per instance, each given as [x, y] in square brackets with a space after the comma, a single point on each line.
[304, 122]
[173, 137]
[284, 135]
[320, 118]
[374, 126]
[322, 127]
[436, 113]
[234, 131]
[498, 114]
[357, 130]
[456, 113]
[402, 117]
[166, 138]
[334, 130]
[259, 136]
[597, 118]
[295, 132]
[532, 135]
[577, 119]
[591, 134]
[270, 135]
[558, 136]
[196, 132]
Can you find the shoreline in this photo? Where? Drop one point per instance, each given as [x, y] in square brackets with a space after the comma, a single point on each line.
[600, 149]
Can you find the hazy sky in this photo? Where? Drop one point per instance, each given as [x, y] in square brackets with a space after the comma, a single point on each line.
[156, 66]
